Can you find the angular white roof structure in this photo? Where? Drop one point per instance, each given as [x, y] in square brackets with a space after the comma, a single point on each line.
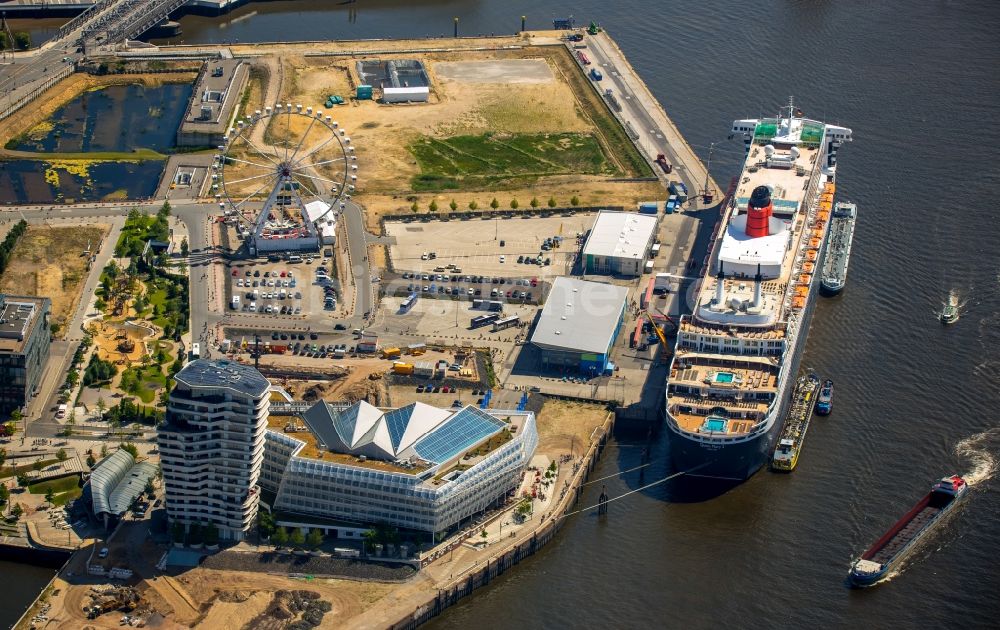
[580, 316]
[316, 209]
[620, 235]
[117, 480]
[416, 430]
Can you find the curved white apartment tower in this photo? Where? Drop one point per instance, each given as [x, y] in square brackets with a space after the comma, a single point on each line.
[212, 445]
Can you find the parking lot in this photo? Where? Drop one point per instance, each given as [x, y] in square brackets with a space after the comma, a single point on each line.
[292, 289]
[488, 246]
[529, 290]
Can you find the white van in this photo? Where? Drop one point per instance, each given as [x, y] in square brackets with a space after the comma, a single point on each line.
[61, 411]
[236, 302]
[294, 258]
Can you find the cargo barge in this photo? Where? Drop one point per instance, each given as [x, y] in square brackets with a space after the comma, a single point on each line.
[793, 433]
[903, 537]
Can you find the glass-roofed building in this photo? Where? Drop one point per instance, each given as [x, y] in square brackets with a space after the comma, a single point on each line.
[116, 482]
[417, 467]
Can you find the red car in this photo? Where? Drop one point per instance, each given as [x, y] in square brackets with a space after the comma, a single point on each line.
[534, 282]
[235, 272]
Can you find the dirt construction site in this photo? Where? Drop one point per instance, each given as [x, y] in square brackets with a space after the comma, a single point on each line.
[419, 153]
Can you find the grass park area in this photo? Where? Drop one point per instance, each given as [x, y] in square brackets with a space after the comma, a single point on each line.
[63, 488]
[490, 159]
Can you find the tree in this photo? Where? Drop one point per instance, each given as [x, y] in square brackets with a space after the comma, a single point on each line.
[61, 455]
[494, 204]
[265, 523]
[575, 201]
[453, 205]
[297, 538]
[473, 205]
[184, 247]
[164, 210]
[50, 495]
[552, 202]
[16, 416]
[433, 207]
[414, 207]
[22, 40]
[101, 407]
[484, 535]
[280, 537]
[514, 204]
[23, 480]
[4, 42]
[104, 451]
[16, 511]
[370, 538]
[177, 531]
[211, 532]
[131, 449]
[534, 202]
[3, 457]
[314, 539]
[4, 494]
[91, 462]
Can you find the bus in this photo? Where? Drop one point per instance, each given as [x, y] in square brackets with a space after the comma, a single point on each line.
[408, 303]
[482, 320]
[506, 322]
[195, 351]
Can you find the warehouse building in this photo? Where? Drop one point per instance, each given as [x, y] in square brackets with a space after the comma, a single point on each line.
[618, 243]
[579, 325]
[24, 348]
[418, 467]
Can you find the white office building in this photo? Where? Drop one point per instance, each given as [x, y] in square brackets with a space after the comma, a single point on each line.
[417, 467]
[212, 446]
[619, 243]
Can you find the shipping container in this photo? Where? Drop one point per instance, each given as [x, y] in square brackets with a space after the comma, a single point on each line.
[391, 353]
[368, 347]
[364, 93]
[661, 283]
[649, 207]
[582, 56]
[654, 251]
[679, 189]
[402, 368]
[649, 266]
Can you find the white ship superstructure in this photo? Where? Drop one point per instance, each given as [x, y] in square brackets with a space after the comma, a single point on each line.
[737, 354]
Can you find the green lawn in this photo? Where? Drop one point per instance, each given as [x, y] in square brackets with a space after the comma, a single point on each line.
[489, 159]
[58, 485]
[64, 488]
[11, 472]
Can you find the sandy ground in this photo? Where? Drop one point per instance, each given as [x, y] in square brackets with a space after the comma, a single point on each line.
[48, 262]
[564, 426]
[68, 89]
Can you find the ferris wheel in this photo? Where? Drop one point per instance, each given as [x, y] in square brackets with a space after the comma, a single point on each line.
[284, 153]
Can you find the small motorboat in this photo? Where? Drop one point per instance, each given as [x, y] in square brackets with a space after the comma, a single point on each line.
[824, 402]
[949, 312]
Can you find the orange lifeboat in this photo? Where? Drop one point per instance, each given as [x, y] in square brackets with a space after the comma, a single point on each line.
[811, 255]
[808, 267]
[805, 278]
[798, 303]
[814, 243]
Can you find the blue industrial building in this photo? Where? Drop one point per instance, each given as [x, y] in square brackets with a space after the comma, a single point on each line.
[579, 325]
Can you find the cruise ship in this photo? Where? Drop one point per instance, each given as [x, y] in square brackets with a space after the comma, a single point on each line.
[737, 354]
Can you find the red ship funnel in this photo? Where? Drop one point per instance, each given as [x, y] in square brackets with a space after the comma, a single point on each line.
[759, 212]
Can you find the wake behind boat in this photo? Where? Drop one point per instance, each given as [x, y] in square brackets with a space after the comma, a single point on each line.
[738, 352]
[902, 538]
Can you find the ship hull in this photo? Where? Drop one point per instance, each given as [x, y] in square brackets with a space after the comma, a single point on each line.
[830, 291]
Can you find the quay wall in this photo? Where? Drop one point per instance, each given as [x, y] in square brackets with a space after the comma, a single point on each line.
[513, 553]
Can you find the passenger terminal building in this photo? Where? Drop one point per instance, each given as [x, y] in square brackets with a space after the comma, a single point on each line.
[618, 243]
[579, 325]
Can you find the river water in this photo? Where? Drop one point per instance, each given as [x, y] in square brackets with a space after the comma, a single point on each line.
[918, 83]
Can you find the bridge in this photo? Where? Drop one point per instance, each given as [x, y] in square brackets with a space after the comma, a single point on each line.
[110, 22]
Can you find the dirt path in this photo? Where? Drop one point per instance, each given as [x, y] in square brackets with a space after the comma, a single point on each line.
[184, 608]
